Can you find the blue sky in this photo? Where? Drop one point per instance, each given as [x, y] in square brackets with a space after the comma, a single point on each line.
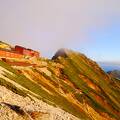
[107, 43]
[104, 43]
[88, 26]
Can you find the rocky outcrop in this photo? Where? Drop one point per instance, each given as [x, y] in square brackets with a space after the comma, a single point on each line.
[61, 52]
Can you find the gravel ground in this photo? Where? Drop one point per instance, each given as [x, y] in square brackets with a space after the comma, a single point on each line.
[27, 104]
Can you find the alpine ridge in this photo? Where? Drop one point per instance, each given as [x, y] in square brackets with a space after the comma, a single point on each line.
[69, 86]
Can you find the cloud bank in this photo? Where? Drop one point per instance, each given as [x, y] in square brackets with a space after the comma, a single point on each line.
[48, 25]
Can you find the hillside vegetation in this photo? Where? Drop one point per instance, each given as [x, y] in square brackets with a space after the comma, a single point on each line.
[69, 81]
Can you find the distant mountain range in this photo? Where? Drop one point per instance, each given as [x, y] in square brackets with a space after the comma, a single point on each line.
[114, 73]
[109, 66]
[69, 86]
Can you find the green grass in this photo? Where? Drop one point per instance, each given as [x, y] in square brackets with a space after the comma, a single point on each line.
[100, 79]
[12, 87]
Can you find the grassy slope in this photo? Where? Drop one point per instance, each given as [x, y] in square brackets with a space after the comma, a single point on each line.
[55, 99]
[66, 89]
[74, 65]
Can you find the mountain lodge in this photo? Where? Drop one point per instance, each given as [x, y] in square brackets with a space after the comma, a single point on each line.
[16, 52]
[25, 51]
[9, 54]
